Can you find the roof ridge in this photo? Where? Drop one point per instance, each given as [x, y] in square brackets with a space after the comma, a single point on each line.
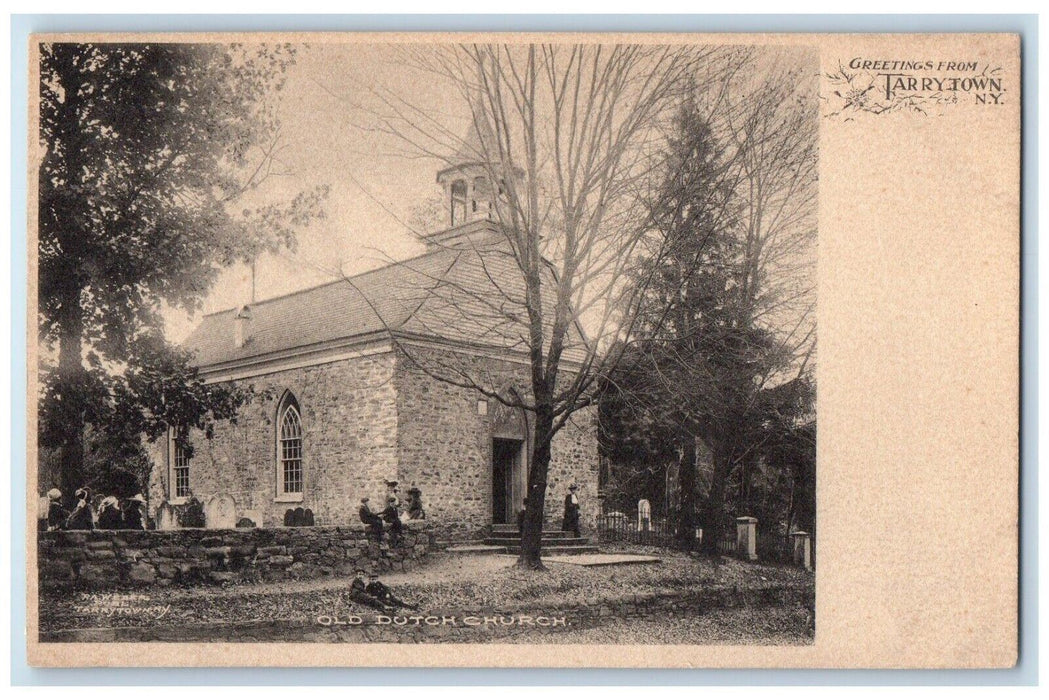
[329, 283]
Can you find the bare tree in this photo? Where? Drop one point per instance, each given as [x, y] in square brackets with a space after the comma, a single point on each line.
[567, 135]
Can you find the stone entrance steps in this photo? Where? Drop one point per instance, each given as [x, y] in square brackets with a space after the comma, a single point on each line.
[553, 541]
[505, 539]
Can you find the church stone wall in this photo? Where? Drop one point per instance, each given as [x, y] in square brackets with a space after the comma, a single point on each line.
[374, 418]
[349, 425]
[444, 444]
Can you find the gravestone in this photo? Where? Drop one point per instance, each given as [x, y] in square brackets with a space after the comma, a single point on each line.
[644, 515]
[166, 517]
[220, 512]
[307, 518]
[802, 549]
[255, 516]
[289, 518]
[747, 538]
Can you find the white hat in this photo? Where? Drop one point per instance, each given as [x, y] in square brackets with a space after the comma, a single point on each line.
[54, 494]
[137, 498]
[107, 502]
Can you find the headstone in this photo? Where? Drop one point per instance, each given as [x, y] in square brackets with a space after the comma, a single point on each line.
[747, 538]
[254, 516]
[166, 517]
[245, 522]
[802, 549]
[298, 520]
[42, 506]
[644, 515]
[289, 517]
[307, 518]
[220, 512]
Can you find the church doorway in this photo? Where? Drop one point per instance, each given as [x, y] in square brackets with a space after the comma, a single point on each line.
[506, 470]
[509, 428]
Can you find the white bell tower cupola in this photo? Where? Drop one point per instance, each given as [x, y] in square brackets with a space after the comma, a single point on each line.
[467, 181]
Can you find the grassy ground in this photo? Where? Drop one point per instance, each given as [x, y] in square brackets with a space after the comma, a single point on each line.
[448, 582]
[769, 626]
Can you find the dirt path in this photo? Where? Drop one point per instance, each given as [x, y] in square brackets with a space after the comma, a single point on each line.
[438, 568]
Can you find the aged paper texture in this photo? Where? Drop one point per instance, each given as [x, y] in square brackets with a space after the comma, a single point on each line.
[500, 350]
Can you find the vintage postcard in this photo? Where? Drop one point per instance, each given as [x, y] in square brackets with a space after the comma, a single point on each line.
[510, 350]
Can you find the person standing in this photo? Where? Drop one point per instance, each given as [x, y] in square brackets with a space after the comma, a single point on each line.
[571, 519]
[521, 516]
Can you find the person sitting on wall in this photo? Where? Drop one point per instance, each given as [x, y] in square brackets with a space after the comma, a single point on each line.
[359, 593]
[393, 519]
[56, 512]
[373, 521]
[571, 519]
[80, 518]
[380, 591]
[109, 515]
[393, 492]
[415, 504]
[135, 513]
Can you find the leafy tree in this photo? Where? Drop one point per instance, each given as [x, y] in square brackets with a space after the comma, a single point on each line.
[148, 152]
[713, 362]
[637, 446]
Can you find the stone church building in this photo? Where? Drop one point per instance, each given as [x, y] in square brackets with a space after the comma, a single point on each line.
[372, 378]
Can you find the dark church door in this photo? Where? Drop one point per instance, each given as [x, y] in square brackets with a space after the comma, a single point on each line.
[505, 454]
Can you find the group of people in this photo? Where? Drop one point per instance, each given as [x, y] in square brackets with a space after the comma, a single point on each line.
[375, 594]
[389, 518]
[110, 514]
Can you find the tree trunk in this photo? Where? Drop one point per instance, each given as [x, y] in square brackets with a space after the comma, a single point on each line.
[713, 517]
[686, 523]
[69, 418]
[532, 535]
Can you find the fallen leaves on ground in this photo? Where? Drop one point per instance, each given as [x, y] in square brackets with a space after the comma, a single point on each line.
[443, 582]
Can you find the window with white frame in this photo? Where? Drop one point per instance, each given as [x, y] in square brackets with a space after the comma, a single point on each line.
[289, 449]
[179, 465]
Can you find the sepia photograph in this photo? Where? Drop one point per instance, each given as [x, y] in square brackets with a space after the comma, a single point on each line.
[424, 341]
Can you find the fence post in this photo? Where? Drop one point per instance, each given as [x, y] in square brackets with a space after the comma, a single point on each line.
[747, 538]
[802, 549]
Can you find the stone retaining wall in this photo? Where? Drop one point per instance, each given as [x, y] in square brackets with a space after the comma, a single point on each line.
[102, 559]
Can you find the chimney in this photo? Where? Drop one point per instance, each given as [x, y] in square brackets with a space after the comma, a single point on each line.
[242, 327]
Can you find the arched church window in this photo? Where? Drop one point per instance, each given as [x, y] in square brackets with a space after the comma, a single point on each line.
[289, 448]
[459, 196]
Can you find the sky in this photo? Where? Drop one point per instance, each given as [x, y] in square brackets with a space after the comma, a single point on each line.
[328, 137]
[328, 111]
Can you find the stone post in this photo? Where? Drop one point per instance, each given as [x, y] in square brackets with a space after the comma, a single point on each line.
[802, 542]
[747, 538]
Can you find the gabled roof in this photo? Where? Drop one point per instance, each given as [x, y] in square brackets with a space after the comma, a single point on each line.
[467, 294]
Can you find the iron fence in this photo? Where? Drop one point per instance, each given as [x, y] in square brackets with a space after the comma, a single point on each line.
[657, 532]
